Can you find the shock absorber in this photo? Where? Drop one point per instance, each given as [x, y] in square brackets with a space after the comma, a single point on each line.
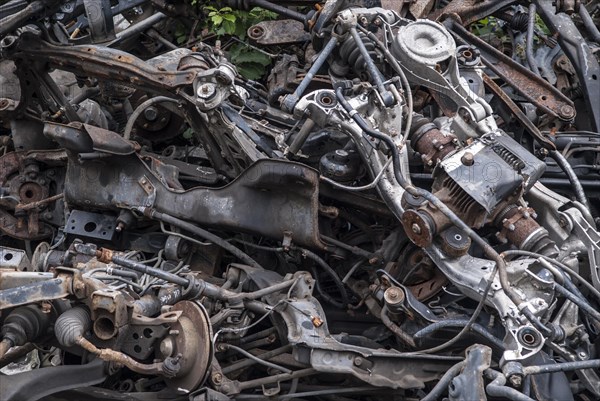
[353, 59]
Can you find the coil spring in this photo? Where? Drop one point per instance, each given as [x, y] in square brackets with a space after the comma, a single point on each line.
[509, 157]
[352, 56]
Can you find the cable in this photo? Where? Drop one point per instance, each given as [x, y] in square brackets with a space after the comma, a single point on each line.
[469, 323]
[352, 270]
[578, 301]
[566, 167]
[372, 185]
[184, 225]
[185, 237]
[140, 109]
[330, 272]
[255, 358]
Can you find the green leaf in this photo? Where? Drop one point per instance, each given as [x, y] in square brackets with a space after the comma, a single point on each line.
[251, 70]
[188, 133]
[229, 27]
[216, 20]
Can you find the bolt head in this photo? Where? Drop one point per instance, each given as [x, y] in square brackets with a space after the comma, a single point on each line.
[468, 159]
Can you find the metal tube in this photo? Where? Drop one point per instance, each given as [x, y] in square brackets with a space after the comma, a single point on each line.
[529, 42]
[256, 359]
[289, 101]
[561, 367]
[375, 74]
[279, 10]
[249, 362]
[394, 328]
[137, 28]
[303, 134]
[589, 24]
[276, 378]
[582, 304]
[151, 271]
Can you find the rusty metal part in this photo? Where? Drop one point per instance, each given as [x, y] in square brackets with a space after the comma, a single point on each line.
[521, 117]
[431, 143]
[258, 188]
[427, 289]
[582, 57]
[470, 11]
[104, 63]
[55, 288]
[12, 162]
[567, 6]
[20, 227]
[280, 32]
[20, 172]
[36, 204]
[15, 354]
[107, 354]
[518, 226]
[418, 228]
[191, 337]
[532, 87]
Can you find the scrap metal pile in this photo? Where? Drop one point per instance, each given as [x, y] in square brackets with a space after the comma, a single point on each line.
[400, 203]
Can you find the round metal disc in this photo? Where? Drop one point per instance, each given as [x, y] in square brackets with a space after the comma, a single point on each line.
[194, 343]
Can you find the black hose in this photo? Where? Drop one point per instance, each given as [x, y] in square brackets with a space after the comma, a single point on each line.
[452, 323]
[498, 389]
[184, 225]
[441, 386]
[581, 303]
[566, 167]
[330, 272]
